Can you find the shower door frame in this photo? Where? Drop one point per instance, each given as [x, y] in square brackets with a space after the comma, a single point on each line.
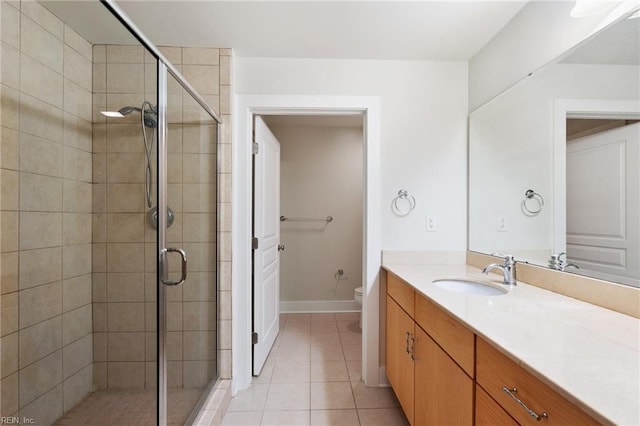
[165, 67]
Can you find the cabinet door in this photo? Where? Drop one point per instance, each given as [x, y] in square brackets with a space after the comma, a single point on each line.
[443, 391]
[399, 363]
[489, 413]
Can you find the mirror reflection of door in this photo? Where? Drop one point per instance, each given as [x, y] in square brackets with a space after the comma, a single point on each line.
[603, 188]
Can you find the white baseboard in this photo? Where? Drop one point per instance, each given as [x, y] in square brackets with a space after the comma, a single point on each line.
[297, 306]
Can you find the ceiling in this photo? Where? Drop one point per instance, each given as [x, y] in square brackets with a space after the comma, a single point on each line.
[392, 30]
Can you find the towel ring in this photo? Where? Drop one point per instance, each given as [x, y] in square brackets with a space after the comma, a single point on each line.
[403, 194]
[530, 194]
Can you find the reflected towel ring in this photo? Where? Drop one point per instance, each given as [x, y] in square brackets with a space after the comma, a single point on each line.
[403, 194]
[530, 194]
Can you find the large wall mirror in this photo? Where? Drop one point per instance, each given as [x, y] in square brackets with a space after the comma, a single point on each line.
[554, 160]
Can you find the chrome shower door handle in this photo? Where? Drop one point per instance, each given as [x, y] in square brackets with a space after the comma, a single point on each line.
[164, 266]
[280, 247]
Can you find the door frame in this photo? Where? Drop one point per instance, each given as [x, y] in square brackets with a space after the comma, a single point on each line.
[577, 108]
[246, 107]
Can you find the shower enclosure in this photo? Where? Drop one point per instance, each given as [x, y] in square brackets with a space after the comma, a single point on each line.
[109, 220]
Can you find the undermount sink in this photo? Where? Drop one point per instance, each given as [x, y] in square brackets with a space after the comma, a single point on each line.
[469, 287]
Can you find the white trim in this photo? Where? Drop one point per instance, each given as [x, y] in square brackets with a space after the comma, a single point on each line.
[577, 108]
[295, 306]
[246, 106]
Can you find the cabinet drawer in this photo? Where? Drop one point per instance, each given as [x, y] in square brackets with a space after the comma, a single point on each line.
[401, 292]
[495, 371]
[456, 339]
[489, 413]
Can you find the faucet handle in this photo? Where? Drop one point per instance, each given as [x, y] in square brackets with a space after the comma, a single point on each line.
[509, 259]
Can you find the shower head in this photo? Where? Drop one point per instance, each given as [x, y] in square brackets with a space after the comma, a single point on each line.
[150, 117]
[128, 110]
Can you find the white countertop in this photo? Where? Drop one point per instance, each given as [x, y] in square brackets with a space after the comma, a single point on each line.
[589, 354]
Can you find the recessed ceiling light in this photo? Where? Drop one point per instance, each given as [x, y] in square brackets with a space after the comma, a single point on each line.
[111, 114]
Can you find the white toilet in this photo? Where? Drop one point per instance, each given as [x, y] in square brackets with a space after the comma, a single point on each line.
[357, 294]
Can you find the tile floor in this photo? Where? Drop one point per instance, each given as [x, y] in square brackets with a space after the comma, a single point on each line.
[312, 377]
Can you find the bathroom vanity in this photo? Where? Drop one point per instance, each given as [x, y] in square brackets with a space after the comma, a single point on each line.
[522, 357]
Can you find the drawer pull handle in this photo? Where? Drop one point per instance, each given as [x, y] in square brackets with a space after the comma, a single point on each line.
[512, 393]
[407, 341]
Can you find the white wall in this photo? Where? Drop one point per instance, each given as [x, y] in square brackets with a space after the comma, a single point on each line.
[511, 150]
[539, 33]
[321, 171]
[423, 133]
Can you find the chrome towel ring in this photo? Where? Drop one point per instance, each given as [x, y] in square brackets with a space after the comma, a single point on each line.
[403, 203]
[534, 207]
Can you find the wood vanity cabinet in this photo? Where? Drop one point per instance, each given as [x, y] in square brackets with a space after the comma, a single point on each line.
[400, 368]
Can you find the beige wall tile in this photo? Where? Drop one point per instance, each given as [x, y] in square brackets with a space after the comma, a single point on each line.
[10, 102]
[77, 387]
[99, 228]
[124, 138]
[126, 346]
[40, 340]
[77, 68]
[125, 257]
[225, 364]
[76, 324]
[124, 54]
[76, 228]
[100, 375]
[99, 199]
[224, 283]
[99, 285]
[76, 292]
[40, 156]
[174, 168]
[125, 168]
[77, 43]
[126, 375]
[40, 266]
[78, 100]
[40, 303]
[9, 148]
[193, 112]
[125, 227]
[99, 137]
[201, 256]
[199, 316]
[43, 17]
[40, 81]
[76, 196]
[99, 53]
[224, 305]
[199, 345]
[151, 79]
[70, 163]
[9, 193]
[125, 198]
[125, 287]
[150, 287]
[10, 66]
[199, 168]
[174, 316]
[199, 227]
[151, 380]
[225, 129]
[85, 166]
[125, 78]
[200, 55]
[100, 314]
[224, 332]
[225, 214]
[9, 349]
[40, 119]
[76, 260]
[150, 320]
[9, 231]
[99, 78]
[40, 193]
[198, 197]
[9, 272]
[39, 377]
[174, 345]
[77, 355]
[205, 79]
[199, 139]
[197, 374]
[151, 341]
[99, 103]
[40, 230]
[10, 393]
[40, 44]
[99, 257]
[226, 52]
[10, 24]
[9, 313]
[99, 346]
[173, 54]
[174, 374]
[126, 317]
[224, 180]
[225, 100]
[200, 287]
[225, 239]
[225, 70]
[46, 408]
[78, 133]
[226, 158]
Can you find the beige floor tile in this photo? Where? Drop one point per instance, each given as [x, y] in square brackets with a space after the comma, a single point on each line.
[293, 338]
[329, 316]
[267, 370]
[323, 327]
[295, 352]
[351, 325]
[382, 417]
[373, 397]
[288, 396]
[350, 338]
[334, 418]
[331, 396]
[322, 352]
[246, 418]
[285, 418]
[325, 338]
[252, 399]
[354, 367]
[347, 316]
[352, 352]
[298, 317]
[291, 371]
[297, 326]
[329, 371]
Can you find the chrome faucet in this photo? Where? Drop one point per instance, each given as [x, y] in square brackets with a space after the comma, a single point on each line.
[558, 264]
[508, 270]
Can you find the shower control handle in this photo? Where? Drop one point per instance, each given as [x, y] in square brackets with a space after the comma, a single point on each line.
[164, 266]
[280, 247]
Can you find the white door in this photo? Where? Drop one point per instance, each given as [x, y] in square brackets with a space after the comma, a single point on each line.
[603, 191]
[266, 232]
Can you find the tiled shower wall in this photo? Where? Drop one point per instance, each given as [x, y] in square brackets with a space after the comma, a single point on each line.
[46, 214]
[124, 251]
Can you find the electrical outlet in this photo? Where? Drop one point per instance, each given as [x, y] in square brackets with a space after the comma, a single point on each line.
[501, 224]
[432, 224]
